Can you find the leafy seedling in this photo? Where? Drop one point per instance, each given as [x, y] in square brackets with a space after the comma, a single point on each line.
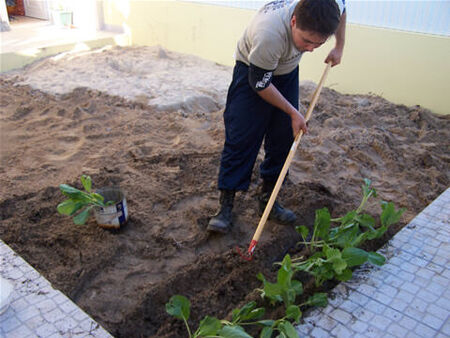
[79, 203]
[285, 289]
[335, 248]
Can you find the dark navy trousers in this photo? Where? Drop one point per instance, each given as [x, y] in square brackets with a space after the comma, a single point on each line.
[248, 121]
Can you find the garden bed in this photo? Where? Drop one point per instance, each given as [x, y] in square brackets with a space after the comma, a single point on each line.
[167, 163]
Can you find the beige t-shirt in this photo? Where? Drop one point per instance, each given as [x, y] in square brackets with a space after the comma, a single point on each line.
[267, 42]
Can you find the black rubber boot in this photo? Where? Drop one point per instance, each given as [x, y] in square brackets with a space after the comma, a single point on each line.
[221, 222]
[278, 213]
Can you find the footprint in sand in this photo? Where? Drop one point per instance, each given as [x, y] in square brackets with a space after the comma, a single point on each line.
[66, 147]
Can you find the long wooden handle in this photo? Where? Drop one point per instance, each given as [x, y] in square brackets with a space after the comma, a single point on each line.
[288, 161]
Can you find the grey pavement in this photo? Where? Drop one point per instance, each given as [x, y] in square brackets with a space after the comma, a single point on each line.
[36, 308]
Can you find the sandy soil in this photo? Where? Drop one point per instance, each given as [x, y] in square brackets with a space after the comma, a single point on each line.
[150, 121]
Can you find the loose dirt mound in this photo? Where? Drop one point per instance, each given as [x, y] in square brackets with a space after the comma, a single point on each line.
[168, 163]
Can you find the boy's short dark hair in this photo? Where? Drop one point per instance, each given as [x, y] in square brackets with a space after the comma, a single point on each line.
[320, 16]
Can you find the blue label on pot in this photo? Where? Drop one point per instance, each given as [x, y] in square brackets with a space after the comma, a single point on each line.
[122, 211]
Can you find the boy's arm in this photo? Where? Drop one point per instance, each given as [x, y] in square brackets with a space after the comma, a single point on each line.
[272, 95]
[335, 55]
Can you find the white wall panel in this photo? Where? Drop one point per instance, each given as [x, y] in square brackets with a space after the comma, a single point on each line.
[429, 16]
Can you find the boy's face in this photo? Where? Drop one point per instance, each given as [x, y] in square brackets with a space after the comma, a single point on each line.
[305, 41]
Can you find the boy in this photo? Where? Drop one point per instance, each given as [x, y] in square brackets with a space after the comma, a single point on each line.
[262, 100]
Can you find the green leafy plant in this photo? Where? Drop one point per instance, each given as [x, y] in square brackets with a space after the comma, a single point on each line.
[179, 307]
[338, 245]
[79, 203]
[285, 289]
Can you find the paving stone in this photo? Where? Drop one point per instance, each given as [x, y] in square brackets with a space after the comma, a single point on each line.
[10, 324]
[409, 288]
[46, 306]
[326, 322]
[375, 307]
[66, 324]
[441, 280]
[444, 303]
[397, 261]
[336, 301]
[393, 314]
[342, 332]
[408, 267]
[397, 330]
[442, 261]
[79, 315]
[413, 335]
[441, 335]
[438, 312]
[425, 331]
[59, 298]
[433, 321]
[436, 268]
[446, 327]
[373, 332]
[405, 296]
[46, 330]
[394, 281]
[35, 322]
[446, 273]
[431, 250]
[408, 323]
[28, 313]
[363, 314]
[54, 315]
[349, 306]
[406, 276]
[382, 298]
[427, 296]
[305, 329]
[341, 316]
[413, 312]
[319, 333]
[68, 307]
[419, 304]
[359, 326]
[88, 325]
[20, 332]
[388, 290]
[19, 304]
[358, 298]
[380, 322]
[410, 248]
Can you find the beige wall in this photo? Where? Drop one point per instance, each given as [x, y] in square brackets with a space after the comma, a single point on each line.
[403, 67]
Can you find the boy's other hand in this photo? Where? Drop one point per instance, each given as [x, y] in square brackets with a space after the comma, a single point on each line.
[334, 56]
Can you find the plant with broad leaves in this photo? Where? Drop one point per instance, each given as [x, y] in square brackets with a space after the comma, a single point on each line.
[179, 307]
[335, 263]
[284, 327]
[80, 200]
[339, 244]
[285, 289]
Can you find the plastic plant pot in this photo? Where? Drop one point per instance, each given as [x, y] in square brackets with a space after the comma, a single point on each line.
[115, 215]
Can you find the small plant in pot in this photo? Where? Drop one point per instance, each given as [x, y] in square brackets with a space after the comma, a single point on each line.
[109, 204]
